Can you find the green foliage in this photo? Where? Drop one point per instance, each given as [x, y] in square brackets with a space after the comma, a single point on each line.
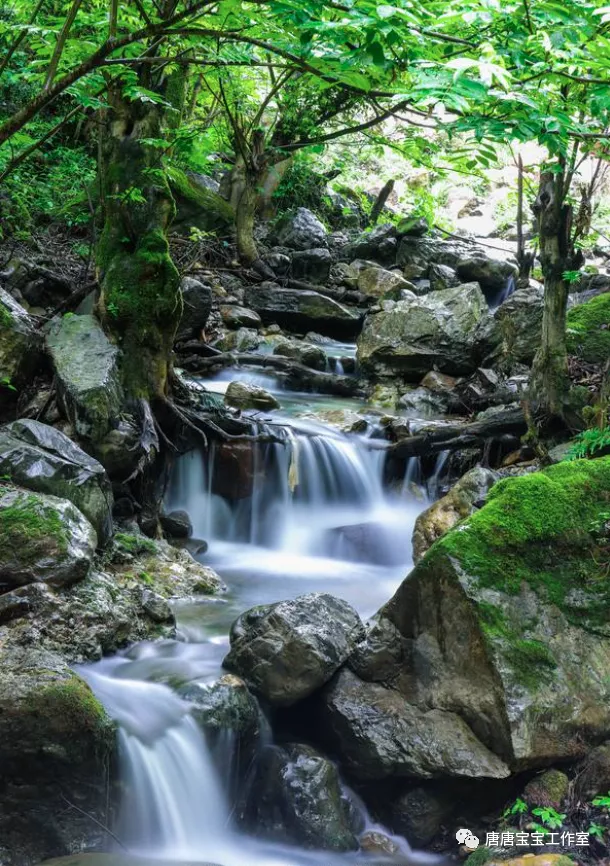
[589, 442]
[598, 831]
[134, 544]
[588, 329]
[519, 807]
[602, 801]
[549, 817]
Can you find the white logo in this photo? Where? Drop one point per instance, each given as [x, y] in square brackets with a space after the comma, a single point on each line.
[466, 838]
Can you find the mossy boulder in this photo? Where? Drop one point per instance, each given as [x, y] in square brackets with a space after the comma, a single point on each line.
[57, 748]
[42, 538]
[507, 617]
[41, 458]
[197, 206]
[548, 789]
[87, 371]
[20, 345]
[302, 311]
[588, 329]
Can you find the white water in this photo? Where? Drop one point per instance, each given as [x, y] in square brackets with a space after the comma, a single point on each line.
[316, 517]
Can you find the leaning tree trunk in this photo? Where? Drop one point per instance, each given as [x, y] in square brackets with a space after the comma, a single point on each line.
[549, 383]
[140, 301]
[245, 214]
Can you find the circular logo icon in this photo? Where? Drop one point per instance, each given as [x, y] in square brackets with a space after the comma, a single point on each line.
[466, 838]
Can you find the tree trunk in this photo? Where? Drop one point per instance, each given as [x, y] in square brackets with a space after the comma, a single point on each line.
[380, 202]
[245, 212]
[140, 301]
[549, 383]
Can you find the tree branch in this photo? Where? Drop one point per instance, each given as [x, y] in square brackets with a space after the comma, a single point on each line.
[61, 42]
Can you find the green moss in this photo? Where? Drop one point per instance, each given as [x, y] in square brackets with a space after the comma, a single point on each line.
[588, 329]
[5, 316]
[198, 206]
[479, 857]
[538, 529]
[71, 702]
[134, 544]
[29, 524]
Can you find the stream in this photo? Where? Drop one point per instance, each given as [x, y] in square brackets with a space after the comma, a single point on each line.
[313, 516]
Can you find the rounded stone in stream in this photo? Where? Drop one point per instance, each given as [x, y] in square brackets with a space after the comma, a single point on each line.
[227, 704]
[288, 650]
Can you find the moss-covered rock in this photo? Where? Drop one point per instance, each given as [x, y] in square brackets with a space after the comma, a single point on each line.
[20, 346]
[86, 366]
[588, 329]
[548, 789]
[42, 538]
[56, 748]
[507, 616]
[197, 206]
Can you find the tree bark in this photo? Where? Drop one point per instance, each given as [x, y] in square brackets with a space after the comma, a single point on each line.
[140, 301]
[549, 383]
[245, 212]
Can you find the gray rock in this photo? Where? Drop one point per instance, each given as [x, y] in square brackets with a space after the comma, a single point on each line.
[300, 230]
[298, 799]
[423, 252]
[312, 265]
[86, 366]
[378, 734]
[41, 458]
[278, 262]
[226, 705]
[303, 310]
[286, 651]
[197, 306]
[379, 283]
[239, 317]
[20, 346]
[441, 331]
[55, 737]
[379, 244]
[442, 277]
[121, 450]
[419, 814]
[461, 501]
[304, 353]
[240, 395]
[491, 273]
[514, 333]
[42, 538]
[156, 607]
[422, 403]
[242, 340]
[177, 524]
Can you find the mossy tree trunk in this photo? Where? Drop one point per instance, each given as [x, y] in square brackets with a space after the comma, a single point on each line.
[140, 301]
[549, 383]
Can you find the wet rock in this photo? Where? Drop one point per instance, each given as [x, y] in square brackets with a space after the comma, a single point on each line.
[504, 617]
[177, 524]
[235, 469]
[378, 734]
[419, 815]
[491, 273]
[240, 395]
[42, 538]
[197, 306]
[239, 317]
[513, 334]
[439, 330]
[86, 367]
[242, 340]
[278, 262]
[442, 277]
[374, 842]
[312, 265]
[423, 403]
[593, 776]
[531, 860]
[462, 500]
[303, 310]
[300, 230]
[20, 346]
[378, 656]
[67, 756]
[548, 789]
[413, 227]
[378, 283]
[423, 252]
[286, 651]
[305, 353]
[224, 705]
[379, 244]
[298, 799]
[40, 458]
[362, 542]
[121, 449]
[156, 607]
[439, 383]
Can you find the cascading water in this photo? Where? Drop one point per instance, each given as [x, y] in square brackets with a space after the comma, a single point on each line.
[306, 512]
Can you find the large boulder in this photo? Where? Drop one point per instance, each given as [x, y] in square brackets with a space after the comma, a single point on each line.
[286, 651]
[303, 310]
[196, 308]
[439, 331]
[377, 283]
[379, 735]
[20, 346]
[312, 265]
[42, 538]
[305, 353]
[506, 617]
[242, 395]
[86, 367]
[300, 230]
[41, 458]
[57, 746]
[423, 252]
[464, 497]
[514, 333]
[588, 329]
[298, 799]
[239, 317]
[492, 273]
[379, 244]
